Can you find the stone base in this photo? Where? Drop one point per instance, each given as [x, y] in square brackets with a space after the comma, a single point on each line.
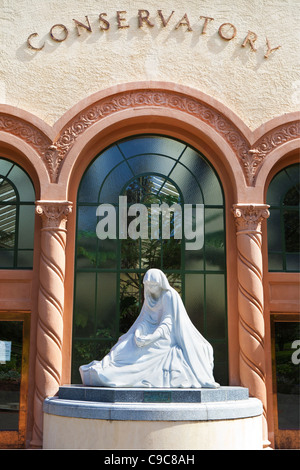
[173, 419]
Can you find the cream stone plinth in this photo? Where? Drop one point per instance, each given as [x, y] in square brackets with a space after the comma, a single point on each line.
[75, 433]
[147, 418]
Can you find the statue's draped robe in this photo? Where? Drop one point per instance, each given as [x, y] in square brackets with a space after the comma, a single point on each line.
[181, 357]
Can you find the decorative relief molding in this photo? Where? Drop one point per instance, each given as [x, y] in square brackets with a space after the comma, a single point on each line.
[53, 154]
[266, 144]
[143, 98]
[52, 160]
[250, 158]
[25, 131]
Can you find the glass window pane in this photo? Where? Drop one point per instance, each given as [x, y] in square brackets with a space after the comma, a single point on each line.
[114, 183]
[96, 173]
[277, 188]
[107, 305]
[16, 218]
[293, 262]
[215, 302]
[194, 300]
[291, 231]
[130, 254]
[194, 260]
[220, 361]
[283, 225]
[7, 191]
[151, 254]
[155, 144]
[87, 219]
[287, 335]
[214, 240]
[107, 254]
[86, 254]
[23, 184]
[131, 299]
[292, 196]
[5, 166]
[280, 185]
[188, 185]
[147, 163]
[275, 262]
[6, 258]
[171, 254]
[25, 259]
[11, 344]
[8, 217]
[26, 226]
[274, 231]
[85, 298]
[204, 175]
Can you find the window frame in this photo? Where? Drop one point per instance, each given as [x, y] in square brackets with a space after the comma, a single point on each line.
[18, 203]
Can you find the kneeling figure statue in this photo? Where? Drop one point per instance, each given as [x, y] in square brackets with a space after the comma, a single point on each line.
[161, 349]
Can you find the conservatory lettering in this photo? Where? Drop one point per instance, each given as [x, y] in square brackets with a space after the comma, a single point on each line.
[203, 25]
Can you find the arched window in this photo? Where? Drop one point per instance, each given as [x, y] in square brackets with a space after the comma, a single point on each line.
[148, 173]
[16, 217]
[283, 224]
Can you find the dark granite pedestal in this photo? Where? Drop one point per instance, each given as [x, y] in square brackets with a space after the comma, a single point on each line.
[152, 395]
[154, 404]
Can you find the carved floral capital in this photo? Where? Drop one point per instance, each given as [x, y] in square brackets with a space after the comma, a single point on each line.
[250, 216]
[53, 213]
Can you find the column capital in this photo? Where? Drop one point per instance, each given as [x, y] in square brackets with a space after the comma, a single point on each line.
[53, 213]
[250, 216]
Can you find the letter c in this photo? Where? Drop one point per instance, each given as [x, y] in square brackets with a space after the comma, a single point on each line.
[33, 35]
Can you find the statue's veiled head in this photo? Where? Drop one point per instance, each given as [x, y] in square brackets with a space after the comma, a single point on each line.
[154, 281]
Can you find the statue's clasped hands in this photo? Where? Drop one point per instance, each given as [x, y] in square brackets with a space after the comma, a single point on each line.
[142, 340]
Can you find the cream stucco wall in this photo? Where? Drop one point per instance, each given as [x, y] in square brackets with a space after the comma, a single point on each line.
[48, 82]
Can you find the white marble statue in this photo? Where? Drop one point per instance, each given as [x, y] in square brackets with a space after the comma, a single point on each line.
[161, 349]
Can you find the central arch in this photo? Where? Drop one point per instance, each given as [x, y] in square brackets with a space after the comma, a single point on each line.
[149, 120]
[148, 169]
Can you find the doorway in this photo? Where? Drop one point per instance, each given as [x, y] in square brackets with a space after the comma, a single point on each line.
[14, 354]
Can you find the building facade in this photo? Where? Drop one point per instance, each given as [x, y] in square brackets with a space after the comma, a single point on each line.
[186, 103]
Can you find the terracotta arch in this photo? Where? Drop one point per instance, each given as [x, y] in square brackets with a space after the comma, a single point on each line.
[25, 139]
[145, 107]
[275, 143]
[280, 158]
[187, 129]
[16, 151]
[131, 121]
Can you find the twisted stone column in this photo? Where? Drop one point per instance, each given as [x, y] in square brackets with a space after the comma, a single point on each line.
[50, 307]
[248, 220]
